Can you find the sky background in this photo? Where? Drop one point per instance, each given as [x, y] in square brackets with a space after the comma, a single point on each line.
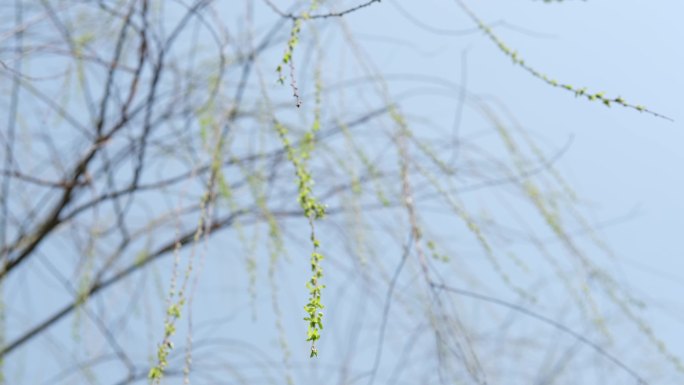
[626, 167]
[620, 162]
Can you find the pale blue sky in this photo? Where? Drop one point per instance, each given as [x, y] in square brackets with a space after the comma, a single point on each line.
[620, 161]
[626, 168]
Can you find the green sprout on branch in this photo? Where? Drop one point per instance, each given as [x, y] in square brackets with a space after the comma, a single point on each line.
[579, 92]
[292, 42]
[313, 210]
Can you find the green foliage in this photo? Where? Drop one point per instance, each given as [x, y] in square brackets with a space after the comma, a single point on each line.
[292, 42]
[289, 50]
[436, 254]
[442, 181]
[578, 91]
[367, 163]
[173, 313]
[313, 308]
[313, 210]
[177, 293]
